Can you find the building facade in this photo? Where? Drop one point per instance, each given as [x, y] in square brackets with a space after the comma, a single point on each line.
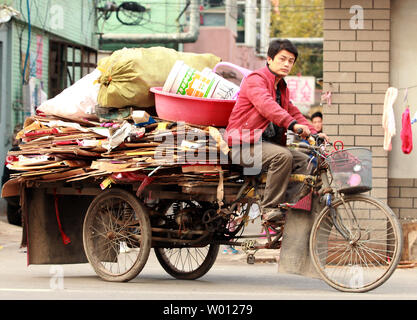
[369, 46]
[45, 46]
[151, 18]
[237, 31]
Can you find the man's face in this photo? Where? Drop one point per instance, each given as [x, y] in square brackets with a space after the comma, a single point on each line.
[317, 123]
[282, 63]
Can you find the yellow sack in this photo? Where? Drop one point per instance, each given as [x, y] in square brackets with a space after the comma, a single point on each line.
[128, 74]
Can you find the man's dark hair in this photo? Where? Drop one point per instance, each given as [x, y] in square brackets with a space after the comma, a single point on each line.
[316, 114]
[277, 45]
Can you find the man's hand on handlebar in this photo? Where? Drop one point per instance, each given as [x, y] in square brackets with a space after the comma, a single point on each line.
[302, 130]
[305, 133]
[323, 136]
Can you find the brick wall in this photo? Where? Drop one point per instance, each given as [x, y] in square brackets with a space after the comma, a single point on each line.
[356, 71]
[402, 197]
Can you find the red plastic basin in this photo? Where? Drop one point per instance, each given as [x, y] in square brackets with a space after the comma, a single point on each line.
[200, 111]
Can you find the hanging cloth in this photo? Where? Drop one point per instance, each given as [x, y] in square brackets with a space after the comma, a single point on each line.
[388, 119]
[406, 133]
[414, 120]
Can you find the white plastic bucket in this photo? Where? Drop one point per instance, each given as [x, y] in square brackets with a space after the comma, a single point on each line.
[185, 80]
[225, 89]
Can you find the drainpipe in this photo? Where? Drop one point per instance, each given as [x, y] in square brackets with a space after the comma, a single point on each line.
[183, 37]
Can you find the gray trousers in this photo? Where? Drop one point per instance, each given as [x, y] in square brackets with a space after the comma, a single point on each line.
[278, 162]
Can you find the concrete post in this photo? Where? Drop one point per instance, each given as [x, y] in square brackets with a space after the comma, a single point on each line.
[231, 15]
[265, 21]
[250, 23]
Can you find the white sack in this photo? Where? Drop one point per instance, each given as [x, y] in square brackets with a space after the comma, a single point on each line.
[76, 102]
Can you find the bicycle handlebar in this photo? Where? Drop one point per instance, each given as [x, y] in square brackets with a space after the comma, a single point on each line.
[314, 141]
[310, 138]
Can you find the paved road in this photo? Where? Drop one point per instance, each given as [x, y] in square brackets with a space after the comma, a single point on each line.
[230, 278]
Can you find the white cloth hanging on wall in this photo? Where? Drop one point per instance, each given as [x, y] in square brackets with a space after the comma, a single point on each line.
[388, 119]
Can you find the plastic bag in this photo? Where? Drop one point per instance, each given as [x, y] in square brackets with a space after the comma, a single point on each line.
[76, 102]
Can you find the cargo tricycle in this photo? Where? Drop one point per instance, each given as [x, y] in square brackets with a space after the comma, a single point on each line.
[352, 240]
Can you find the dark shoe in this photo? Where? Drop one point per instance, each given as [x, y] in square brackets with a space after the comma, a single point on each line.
[272, 214]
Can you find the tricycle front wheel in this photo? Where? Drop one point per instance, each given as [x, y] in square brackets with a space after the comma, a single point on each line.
[356, 243]
[117, 235]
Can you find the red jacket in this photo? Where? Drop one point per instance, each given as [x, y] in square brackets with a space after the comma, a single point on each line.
[256, 106]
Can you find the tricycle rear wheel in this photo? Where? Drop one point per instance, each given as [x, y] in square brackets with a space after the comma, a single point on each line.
[117, 235]
[187, 263]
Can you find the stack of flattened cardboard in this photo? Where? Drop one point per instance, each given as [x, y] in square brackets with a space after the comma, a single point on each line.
[55, 149]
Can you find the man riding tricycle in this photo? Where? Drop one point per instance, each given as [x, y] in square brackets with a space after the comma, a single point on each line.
[355, 240]
[310, 196]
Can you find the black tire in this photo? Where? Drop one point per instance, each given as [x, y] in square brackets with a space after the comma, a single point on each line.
[369, 252]
[129, 17]
[187, 263]
[117, 227]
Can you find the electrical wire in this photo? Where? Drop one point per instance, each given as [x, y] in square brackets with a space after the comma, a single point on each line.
[406, 88]
[142, 22]
[290, 8]
[303, 7]
[29, 39]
